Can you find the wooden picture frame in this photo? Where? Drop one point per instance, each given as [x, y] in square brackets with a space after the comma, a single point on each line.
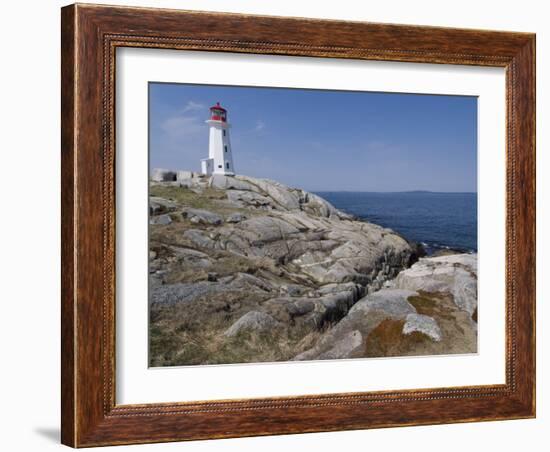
[90, 36]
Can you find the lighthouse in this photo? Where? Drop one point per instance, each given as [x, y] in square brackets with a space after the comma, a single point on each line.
[220, 159]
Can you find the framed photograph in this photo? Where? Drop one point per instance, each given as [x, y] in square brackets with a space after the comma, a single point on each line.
[282, 225]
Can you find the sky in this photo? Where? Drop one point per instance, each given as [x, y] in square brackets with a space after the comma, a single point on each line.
[323, 140]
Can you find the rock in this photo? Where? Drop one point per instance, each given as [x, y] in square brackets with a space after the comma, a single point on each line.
[315, 240]
[356, 289]
[154, 208]
[160, 219]
[300, 307]
[303, 230]
[362, 255]
[422, 324]
[322, 208]
[162, 175]
[246, 281]
[190, 257]
[292, 290]
[264, 192]
[241, 198]
[201, 216]
[230, 182]
[336, 306]
[235, 218]
[199, 239]
[392, 302]
[345, 347]
[455, 274]
[283, 196]
[263, 230]
[314, 311]
[252, 321]
[160, 205]
[364, 316]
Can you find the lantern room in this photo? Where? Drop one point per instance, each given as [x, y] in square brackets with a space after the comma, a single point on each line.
[218, 113]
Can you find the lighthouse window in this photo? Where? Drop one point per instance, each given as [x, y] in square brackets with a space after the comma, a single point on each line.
[225, 146]
[227, 165]
[219, 166]
[224, 134]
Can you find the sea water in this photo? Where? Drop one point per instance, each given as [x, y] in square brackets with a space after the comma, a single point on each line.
[437, 220]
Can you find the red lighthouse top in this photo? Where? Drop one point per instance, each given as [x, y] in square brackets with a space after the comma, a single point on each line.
[218, 113]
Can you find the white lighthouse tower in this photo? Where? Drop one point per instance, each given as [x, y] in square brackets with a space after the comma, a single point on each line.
[220, 159]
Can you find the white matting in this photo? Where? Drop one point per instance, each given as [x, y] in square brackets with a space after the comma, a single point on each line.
[135, 383]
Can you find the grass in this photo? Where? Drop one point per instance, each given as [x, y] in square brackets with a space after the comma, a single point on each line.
[187, 197]
[187, 344]
[387, 339]
[208, 199]
[458, 336]
[192, 333]
[437, 305]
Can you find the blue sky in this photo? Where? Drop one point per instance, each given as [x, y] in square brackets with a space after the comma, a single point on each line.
[322, 140]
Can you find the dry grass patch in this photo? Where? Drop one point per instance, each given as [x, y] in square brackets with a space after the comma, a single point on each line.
[208, 198]
[187, 345]
[186, 196]
[459, 332]
[434, 304]
[387, 339]
[193, 333]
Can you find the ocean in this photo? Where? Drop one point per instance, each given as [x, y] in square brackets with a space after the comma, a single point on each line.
[437, 220]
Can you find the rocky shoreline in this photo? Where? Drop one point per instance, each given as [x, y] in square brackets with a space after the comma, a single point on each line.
[249, 270]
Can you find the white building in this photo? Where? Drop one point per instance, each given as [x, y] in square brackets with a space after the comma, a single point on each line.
[220, 159]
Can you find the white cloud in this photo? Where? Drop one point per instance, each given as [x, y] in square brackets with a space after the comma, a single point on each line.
[186, 122]
[183, 126]
[260, 125]
[193, 106]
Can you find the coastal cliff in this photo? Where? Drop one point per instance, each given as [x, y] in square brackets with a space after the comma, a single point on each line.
[250, 270]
